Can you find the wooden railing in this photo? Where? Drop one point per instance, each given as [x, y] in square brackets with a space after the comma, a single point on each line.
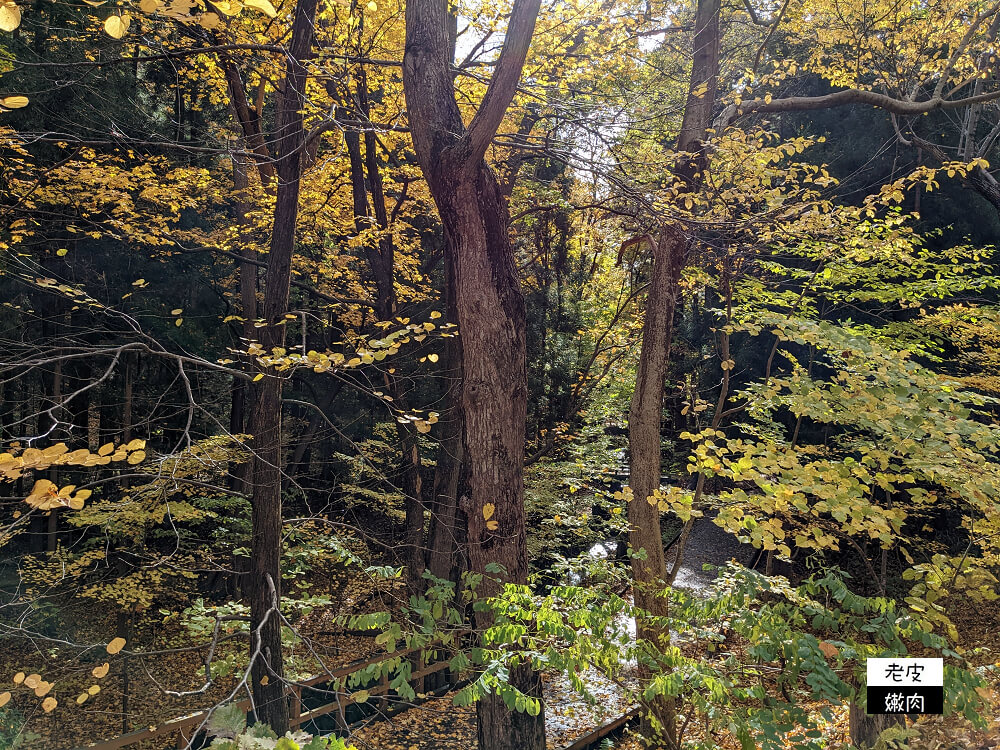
[184, 728]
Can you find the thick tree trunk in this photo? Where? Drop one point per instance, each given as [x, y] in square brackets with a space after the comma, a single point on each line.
[490, 312]
[270, 703]
[866, 729]
[494, 400]
[649, 569]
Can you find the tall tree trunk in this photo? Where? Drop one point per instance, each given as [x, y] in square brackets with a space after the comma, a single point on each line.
[270, 703]
[241, 393]
[381, 263]
[649, 570]
[444, 532]
[490, 311]
[669, 250]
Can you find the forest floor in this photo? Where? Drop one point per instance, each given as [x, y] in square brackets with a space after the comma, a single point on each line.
[435, 724]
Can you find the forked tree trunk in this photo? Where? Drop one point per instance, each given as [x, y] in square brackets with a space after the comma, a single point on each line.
[270, 704]
[490, 311]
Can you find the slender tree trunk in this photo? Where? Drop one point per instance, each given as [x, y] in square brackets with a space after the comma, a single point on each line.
[270, 703]
[444, 532]
[381, 263]
[241, 395]
[669, 251]
[52, 525]
[649, 569]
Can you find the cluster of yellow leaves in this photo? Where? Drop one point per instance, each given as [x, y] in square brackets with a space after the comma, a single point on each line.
[10, 16]
[670, 500]
[14, 464]
[41, 688]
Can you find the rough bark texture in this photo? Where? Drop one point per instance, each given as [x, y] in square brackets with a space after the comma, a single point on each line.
[490, 311]
[704, 76]
[270, 703]
[649, 571]
[866, 729]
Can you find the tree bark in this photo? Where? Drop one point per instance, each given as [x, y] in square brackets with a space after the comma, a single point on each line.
[270, 701]
[669, 251]
[645, 412]
[866, 729]
[491, 316]
[704, 80]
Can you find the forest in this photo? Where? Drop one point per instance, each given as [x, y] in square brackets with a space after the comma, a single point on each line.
[513, 375]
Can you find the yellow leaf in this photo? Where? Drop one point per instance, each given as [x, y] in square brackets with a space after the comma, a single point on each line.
[139, 282]
[82, 698]
[13, 102]
[19, 678]
[4, 698]
[115, 646]
[209, 20]
[149, 6]
[264, 680]
[133, 459]
[134, 445]
[492, 525]
[101, 671]
[372, 6]
[264, 6]
[61, 252]
[422, 427]
[488, 510]
[432, 357]
[228, 7]
[178, 322]
[116, 26]
[95, 3]
[106, 449]
[10, 16]
[43, 689]
[258, 376]
[94, 689]
[32, 680]
[177, 311]
[360, 696]
[435, 314]
[48, 704]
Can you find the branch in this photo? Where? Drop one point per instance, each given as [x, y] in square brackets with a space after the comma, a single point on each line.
[500, 93]
[849, 96]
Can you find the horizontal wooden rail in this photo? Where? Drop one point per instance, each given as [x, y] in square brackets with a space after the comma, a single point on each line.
[596, 735]
[192, 721]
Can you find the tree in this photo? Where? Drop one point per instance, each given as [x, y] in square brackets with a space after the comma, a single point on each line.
[490, 310]
[271, 704]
